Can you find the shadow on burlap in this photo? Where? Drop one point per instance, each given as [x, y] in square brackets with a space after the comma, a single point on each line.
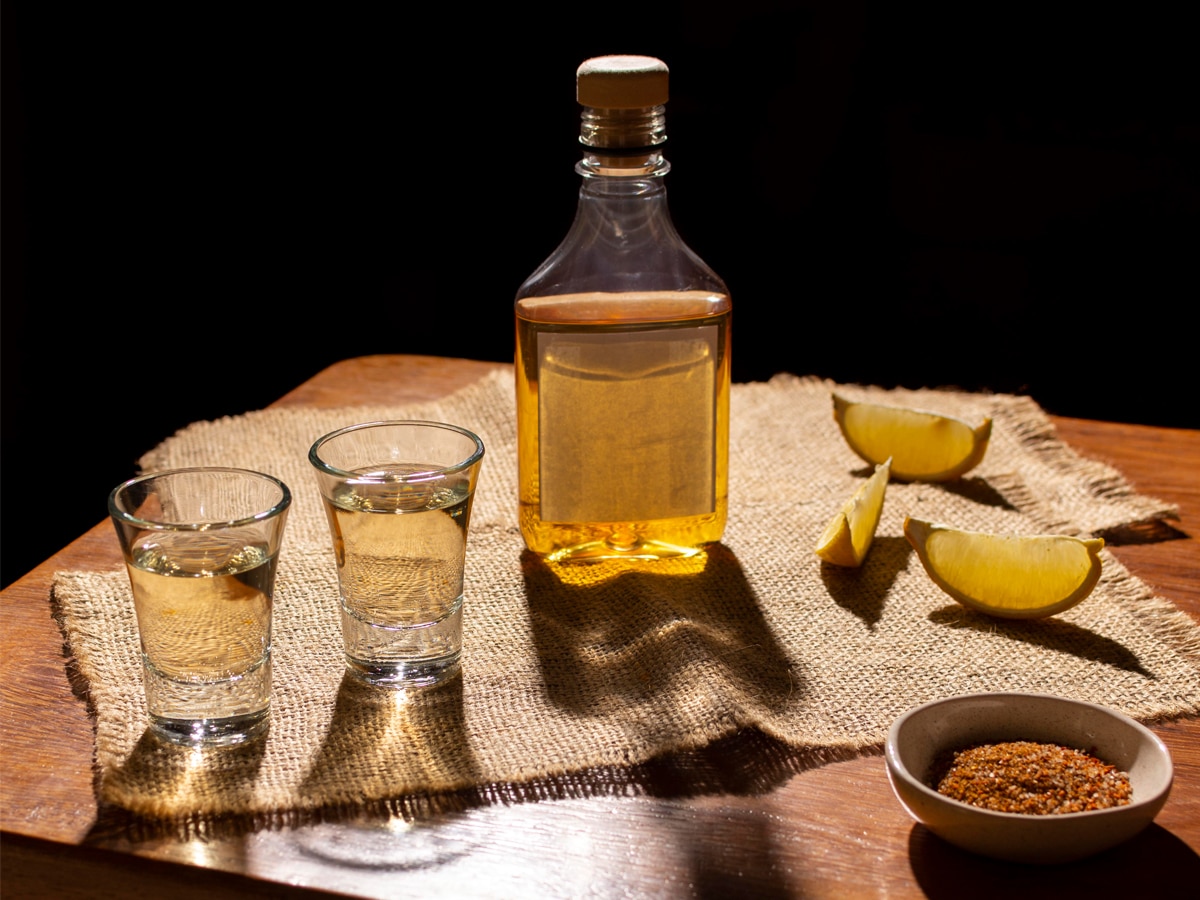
[725, 672]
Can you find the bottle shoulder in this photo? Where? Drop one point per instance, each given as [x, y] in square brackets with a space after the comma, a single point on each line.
[621, 240]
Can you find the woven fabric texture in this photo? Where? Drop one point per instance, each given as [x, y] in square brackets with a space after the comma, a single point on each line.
[576, 669]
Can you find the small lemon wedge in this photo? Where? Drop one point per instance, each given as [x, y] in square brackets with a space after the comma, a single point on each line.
[1016, 577]
[923, 446]
[849, 534]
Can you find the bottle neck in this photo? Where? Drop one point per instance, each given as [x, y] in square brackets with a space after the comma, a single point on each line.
[600, 164]
[623, 143]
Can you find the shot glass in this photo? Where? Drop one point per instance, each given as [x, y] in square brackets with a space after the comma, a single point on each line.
[398, 498]
[201, 547]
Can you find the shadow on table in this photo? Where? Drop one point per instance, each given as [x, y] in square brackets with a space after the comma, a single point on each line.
[1155, 863]
[746, 763]
[692, 646]
[654, 656]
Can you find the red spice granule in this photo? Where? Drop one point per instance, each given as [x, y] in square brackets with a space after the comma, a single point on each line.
[1029, 777]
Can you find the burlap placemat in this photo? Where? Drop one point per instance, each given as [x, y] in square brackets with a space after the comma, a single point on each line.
[568, 670]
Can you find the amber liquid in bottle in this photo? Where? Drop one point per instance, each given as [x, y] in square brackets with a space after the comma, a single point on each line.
[623, 423]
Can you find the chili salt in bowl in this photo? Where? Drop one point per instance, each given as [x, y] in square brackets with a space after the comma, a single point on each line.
[920, 736]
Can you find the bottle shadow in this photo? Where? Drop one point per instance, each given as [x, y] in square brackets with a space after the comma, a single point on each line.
[675, 638]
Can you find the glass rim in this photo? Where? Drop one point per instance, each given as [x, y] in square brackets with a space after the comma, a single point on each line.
[276, 509]
[413, 477]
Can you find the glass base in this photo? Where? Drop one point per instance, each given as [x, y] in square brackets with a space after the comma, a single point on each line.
[412, 674]
[417, 654]
[223, 732]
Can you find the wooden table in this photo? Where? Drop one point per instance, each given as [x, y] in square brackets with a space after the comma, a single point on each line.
[832, 831]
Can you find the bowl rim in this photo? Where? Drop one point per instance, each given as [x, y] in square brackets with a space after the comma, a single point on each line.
[898, 768]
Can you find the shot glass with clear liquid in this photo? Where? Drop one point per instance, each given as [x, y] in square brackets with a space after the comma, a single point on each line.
[201, 547]
[398, 499]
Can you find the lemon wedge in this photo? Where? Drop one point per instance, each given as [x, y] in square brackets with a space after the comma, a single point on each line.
[1016, 577]
[849, 534]
[923, 446]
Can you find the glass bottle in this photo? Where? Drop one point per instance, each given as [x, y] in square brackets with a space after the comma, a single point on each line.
[622, 359]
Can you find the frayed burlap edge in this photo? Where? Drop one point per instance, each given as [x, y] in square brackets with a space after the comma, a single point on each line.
[778, 752]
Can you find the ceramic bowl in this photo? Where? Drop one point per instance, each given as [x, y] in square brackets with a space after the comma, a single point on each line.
[920, 735]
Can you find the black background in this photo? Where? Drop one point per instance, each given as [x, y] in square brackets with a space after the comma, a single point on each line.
[206, 205]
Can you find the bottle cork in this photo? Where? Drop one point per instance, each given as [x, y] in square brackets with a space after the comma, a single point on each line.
[622, 82]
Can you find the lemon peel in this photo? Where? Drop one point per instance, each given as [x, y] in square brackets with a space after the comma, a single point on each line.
[923, 445]
[849, 534]
[1011, 576]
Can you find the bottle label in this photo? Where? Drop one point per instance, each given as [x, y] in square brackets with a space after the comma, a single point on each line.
[626, 423]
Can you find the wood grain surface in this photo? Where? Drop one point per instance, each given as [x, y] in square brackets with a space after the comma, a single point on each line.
[752, 826]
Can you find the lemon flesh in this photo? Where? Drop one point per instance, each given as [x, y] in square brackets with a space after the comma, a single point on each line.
[849, 534]
[922, 445]
[1012, 576]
